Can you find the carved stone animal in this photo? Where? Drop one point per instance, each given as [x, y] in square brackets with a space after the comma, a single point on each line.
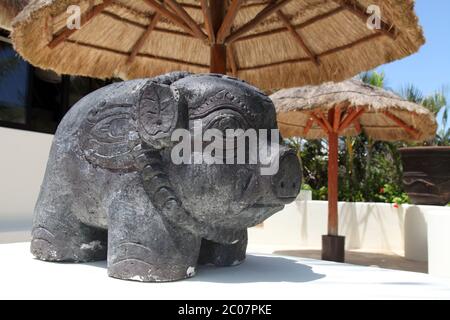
[111, 190]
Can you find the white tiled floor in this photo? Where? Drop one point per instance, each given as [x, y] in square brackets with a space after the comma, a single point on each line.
[260, 277]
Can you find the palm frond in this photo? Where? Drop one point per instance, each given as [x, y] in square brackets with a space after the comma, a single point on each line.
[411, 93]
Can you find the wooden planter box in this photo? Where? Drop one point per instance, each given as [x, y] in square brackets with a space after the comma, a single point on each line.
[426, 175]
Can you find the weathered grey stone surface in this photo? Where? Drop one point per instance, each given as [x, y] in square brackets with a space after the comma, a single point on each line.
[112, 192]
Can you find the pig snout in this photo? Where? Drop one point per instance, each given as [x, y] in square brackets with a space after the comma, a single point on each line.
[286, 183]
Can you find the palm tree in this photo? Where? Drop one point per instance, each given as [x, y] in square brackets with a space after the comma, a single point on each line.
[436, 103]
[411, 93]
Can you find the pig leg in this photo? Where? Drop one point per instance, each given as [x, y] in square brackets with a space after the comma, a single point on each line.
[142, 246]
[224, 255]
[57, 234]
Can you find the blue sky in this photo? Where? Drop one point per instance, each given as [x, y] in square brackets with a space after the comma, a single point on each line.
[429, 69]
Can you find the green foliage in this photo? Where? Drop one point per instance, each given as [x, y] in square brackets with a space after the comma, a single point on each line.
[391, 193]
[443, 138]
[321, 194]
[369, 171]
[368, 166]
[314, 156]
[374, 78]
[306, 187]
[317, 194]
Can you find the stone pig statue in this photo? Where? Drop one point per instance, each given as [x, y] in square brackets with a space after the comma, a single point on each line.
[111, 190]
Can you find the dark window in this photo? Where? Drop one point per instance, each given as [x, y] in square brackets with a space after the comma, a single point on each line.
[14, 85]
[35, 99]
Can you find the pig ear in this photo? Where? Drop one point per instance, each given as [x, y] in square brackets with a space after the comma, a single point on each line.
[159, 114]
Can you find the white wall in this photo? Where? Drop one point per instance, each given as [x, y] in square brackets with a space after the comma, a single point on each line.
[23, 158]
[439, 243]
[366, 226]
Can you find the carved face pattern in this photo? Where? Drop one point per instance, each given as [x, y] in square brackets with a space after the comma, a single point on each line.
[220, 194]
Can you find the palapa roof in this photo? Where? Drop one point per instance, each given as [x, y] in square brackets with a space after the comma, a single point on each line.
[382, 111]
[9, 9]
[332, 40]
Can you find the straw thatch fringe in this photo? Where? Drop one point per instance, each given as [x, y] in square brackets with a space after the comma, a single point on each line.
[294, 107]
[9, 9]
[268, 56]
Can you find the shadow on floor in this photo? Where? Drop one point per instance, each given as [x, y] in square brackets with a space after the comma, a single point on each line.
[259, 269]
[97, 264]
[254, 269]
[385, 261]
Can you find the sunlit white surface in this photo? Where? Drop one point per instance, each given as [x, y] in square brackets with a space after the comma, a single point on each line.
[260, 277]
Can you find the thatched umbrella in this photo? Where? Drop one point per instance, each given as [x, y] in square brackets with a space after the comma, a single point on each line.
[270, 43]
[9, 9]
[347, 109]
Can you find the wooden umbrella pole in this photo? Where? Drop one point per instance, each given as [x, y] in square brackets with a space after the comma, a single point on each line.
[333, 184]
[218, 59]
[218, 51]
[333, 245]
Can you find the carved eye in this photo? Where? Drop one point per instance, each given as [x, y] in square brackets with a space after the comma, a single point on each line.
[227, 121]
[112, 128]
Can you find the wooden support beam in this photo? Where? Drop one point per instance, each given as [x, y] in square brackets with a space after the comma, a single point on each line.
[186, 18]
[297, 26]
[274, 64]
[171, 16]
[191, 6]
[91, 4]
[228, 20]
[208, 24]
[232, 59]
[263, 14]
[323, 54]
[357, 125]
[66, 33]
[298, 38]
[308, 127]
[140, 43]
[350, 118]
[351, 44]
[143, 55]
[321, 123]
[143, 26]
[337, 118]
[325, 120]
[362, 14]
[413, 132]
[49, 25]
